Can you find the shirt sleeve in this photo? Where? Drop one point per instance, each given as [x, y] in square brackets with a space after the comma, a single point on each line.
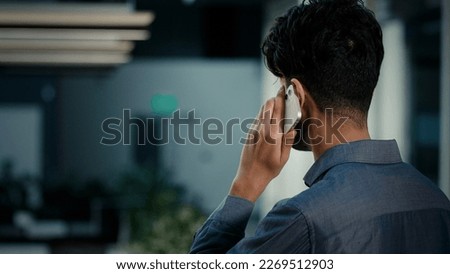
[283, 230]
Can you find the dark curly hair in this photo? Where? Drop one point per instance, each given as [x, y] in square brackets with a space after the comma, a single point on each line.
[334, 47]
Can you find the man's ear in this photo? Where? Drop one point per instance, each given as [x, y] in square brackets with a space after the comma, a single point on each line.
[299, 90]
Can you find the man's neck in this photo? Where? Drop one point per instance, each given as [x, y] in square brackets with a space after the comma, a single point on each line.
[347, 133]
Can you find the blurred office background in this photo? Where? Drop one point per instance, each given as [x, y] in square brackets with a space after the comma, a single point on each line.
[66, 67]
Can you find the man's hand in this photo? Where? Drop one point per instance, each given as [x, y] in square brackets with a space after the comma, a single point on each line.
[266, 151]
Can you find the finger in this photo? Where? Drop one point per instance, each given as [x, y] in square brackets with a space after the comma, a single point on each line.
[281, 90]
[261, 112]
[253, 131]
[252, 135]
[259, 118]
[267, 111]
[265, 125]
[278, 112]
[288, 141]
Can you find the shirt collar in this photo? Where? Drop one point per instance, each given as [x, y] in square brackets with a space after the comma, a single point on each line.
[364, 151]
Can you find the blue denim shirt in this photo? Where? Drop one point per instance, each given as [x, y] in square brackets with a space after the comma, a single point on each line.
[361, 199]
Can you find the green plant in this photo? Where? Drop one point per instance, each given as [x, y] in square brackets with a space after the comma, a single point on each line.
[160, 219]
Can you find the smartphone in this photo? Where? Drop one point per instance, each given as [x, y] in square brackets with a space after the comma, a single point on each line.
[292, 120]
[292, 111]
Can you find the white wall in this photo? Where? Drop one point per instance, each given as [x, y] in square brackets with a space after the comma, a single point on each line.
[389, 115]
[215, 88]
